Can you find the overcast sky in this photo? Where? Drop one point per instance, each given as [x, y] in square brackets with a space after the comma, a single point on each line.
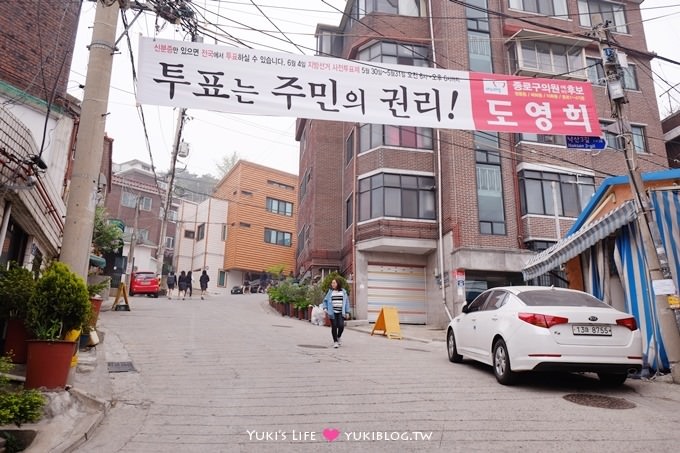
[270, 140]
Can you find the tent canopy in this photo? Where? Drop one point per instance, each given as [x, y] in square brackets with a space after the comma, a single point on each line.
[581, 240]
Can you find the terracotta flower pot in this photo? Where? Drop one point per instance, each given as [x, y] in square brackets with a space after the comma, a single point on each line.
[48, 363]
[15, 340]
[96, 302]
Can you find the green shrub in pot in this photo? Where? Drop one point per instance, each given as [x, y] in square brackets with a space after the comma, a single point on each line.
[59, 304]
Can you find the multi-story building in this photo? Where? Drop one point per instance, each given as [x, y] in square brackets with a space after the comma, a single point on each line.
[417, 216]
[38, 126]
[260, 221]
[136, 200]
[671, 135]
[200, 241]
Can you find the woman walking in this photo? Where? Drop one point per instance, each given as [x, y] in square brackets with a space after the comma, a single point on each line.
[171, 282]
[190, 284]
[182, 285]
[203, 280]
[336, 305]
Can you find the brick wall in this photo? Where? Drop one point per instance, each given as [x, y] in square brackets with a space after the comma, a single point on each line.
[38, 35]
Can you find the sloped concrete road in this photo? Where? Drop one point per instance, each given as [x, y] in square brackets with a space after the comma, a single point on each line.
[229, 374]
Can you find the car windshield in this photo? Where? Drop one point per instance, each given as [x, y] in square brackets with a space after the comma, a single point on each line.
[144, 276]
[555, 298]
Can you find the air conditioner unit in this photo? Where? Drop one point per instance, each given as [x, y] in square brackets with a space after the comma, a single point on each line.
[183, 150]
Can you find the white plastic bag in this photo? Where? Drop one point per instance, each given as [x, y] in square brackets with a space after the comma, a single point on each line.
[317, 315]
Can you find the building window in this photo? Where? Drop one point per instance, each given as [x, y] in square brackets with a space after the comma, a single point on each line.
[129, 200]
[400, 7]
[349, 148]
[349, 212]
[189, 234]
[300, 242]
[630, 81]
[595, 71]
[539, 190]
[375, 135]
[639, 141]
[592, 12]
[246, 193]
[596, 74]
[479, 40]
[221, 278]
[142, 234]
[169, 242]
[304, 182]
[531, 57]
[638, 136]
[489, 184]
[545, 7]
[172, 214]
[223, 233]
[243, 225]
[280, 185]
[200, 232]
[392, 195]
[277, 237]
[543, 139]
[395, 53]
[279, 206]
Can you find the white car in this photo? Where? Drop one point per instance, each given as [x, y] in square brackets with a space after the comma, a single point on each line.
[538, 328]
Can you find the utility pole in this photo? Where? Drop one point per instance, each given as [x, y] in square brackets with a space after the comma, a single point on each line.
[82, 195]
[133, 244]
[655, 254]
[160, 254]
[168, 192]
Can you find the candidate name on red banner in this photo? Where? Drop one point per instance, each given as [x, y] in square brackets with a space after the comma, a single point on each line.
[502, 103]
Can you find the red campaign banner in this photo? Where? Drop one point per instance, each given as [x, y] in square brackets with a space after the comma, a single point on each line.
[503, 103]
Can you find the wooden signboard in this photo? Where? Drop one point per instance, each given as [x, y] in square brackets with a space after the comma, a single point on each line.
[388, 322]
[122, 292]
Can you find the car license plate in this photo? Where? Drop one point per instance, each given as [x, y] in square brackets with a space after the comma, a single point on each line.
[580, 329]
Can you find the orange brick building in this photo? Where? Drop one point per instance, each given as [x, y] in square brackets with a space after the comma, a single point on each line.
[261, 219]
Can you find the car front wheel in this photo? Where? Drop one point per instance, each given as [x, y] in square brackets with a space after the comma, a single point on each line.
[612, 379]
[452, 349]
[131, 293]
[501, 363]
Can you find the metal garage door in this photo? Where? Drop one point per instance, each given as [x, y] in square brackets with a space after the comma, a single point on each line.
[397, 286]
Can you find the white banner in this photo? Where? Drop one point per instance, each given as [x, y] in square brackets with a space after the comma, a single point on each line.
[218, 78]
[208, 77]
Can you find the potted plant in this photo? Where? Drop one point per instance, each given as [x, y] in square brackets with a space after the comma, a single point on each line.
[17, 286]
[60, 304]
[95, 291]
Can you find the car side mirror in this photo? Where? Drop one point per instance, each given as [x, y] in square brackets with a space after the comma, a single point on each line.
[466, 308]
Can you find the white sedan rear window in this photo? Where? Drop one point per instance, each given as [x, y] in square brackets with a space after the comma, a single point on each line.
[558, 298]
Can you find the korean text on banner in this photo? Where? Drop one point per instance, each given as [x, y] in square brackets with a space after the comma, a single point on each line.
[506, 103]
[248, 81]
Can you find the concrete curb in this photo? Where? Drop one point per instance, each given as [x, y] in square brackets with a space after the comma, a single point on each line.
[101, 407]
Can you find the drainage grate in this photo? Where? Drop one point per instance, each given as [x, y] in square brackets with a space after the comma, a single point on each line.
[120, 367]
[416, 349]
[312, 346]
[279, 325]
[601, 401]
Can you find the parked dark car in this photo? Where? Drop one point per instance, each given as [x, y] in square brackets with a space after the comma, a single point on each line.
[237, 289]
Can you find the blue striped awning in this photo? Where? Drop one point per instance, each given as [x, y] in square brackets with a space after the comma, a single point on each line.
[572, 245]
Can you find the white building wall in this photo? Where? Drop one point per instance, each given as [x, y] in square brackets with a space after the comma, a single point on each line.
[43, 207]
[209, 252]
[184, 247]
[144, 259]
